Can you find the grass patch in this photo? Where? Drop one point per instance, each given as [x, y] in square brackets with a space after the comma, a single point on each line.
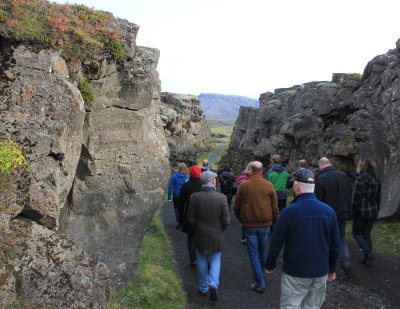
[157, 285]
[385, 237]
[202, 155]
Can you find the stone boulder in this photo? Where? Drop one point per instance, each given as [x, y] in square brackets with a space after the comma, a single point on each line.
[97, 171]
[186, 128]
[349, 117]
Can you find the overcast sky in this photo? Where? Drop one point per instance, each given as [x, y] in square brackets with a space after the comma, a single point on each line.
[248, 47]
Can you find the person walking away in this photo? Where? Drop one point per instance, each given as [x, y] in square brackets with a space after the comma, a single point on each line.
[365, 207]
[226, 180]
[209, 216]
[188, 188]
[333, 188]
[245, 174]
[289, 182]
[256, 207]
[205, 166]
[278, 176]
[241, 178]
[174, 188]
[309, 232]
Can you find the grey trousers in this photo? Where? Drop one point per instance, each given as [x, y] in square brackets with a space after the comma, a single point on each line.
[302, 293]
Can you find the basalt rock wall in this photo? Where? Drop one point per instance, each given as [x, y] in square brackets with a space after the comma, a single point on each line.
[350, 117]
[97, 171]
[186, 128]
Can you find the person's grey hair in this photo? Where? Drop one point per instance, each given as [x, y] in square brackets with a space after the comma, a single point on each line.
[306, 187]
[257, 167]
[324, 161]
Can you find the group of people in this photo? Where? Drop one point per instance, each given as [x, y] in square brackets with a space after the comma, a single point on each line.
[311, 229]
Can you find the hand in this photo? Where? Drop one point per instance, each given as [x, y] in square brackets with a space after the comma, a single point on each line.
[331, 277]
[269, 271]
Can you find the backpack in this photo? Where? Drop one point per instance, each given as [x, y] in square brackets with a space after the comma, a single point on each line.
[225, 184]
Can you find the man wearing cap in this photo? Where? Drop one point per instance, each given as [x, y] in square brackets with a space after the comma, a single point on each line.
[209, 216]
[188, 188]
[256, 207]
[309, 232]
[333, 187]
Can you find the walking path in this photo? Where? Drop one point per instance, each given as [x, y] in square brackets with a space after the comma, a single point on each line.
[374, 288]
[215, 154]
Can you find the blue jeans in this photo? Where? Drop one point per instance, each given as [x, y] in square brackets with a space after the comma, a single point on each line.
[257, 249]
[362, 234]
[191, 244]
[344, 255]
[207, 278]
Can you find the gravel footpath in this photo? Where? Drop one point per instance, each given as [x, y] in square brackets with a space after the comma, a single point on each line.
[374, 288]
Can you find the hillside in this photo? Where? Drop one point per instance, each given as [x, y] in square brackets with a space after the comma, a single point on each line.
[222, 106]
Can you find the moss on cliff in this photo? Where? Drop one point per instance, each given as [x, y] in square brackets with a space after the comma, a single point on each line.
[75, 29]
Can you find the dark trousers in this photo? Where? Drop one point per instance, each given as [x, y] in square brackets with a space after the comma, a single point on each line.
[362, 234]
[191, 245]
[281, 205]
[175, 201]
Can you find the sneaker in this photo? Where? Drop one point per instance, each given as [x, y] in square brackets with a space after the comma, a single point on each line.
[213, 293]
[203, 293]
[257, 289]
[243, 242]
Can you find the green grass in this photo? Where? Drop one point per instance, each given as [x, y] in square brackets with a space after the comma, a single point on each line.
[157, 285]
[202, 155]
[385, 238]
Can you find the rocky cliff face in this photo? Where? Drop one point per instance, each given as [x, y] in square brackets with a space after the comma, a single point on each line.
[344, 119]
[186, 129]
[97, 172]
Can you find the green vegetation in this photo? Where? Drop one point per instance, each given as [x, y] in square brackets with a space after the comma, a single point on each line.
[202, 155]
[157, 285]
[274, 102]
[282, 145]
[385, 237]
[349, 78]
[86, 90]
[13, 167]
[75, 29]
[116, 49]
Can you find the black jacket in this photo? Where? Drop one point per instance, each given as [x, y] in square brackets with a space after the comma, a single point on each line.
[333, 188]
[209, 215]
[188, 188]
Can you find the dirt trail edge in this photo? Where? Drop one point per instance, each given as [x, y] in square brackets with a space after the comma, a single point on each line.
[377, 287]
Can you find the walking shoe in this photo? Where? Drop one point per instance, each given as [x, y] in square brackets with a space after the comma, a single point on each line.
[203, 293]
[243, 241]
[213, 293]
[348, 272]
[257, 289]
[369, 260]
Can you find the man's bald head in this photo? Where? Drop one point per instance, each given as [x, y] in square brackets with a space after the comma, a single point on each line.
[324, 162]
[257, 167]
[205, 162]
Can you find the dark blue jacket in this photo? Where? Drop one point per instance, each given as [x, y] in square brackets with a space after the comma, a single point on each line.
[309, 230]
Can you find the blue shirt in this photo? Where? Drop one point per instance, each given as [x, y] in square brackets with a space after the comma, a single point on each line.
[309, 231]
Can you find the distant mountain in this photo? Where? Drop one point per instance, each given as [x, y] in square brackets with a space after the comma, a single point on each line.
[222, 106]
